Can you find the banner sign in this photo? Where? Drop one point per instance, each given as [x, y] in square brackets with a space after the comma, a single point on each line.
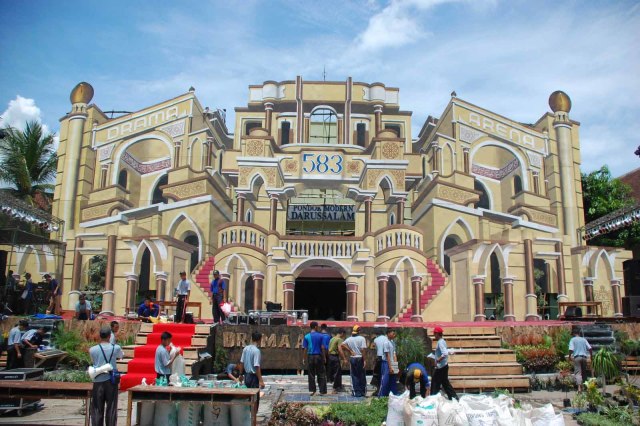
[320, 212]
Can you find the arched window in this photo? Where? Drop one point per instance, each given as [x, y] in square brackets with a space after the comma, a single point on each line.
[424, 167]
[157, 197]
[450, 242]
[122, 178]
[391, 298]
[144, 277]
[220, 163]
[517, 184]
[248, 217]
[248, 294]
[392, 219]
[323, 126]
[193, 241]
[496, 283]
[483, 203]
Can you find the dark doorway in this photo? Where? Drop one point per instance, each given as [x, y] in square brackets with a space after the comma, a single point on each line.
[193, 241]
[249, 286]
[158, 196]
[324, 298]
[144, 277]
[392, 298]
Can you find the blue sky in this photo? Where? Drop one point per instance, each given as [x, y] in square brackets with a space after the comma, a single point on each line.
[504, 55]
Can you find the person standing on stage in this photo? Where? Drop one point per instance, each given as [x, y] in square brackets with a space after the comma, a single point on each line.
[379, 343]
[218, 296]
[10, 291]
[356, 346]
[55, 292]
[105, 389]
[578, 349]
[441, 374]
[250, 361]
[14, 345]
[389, 365]
[27, 294]
[335, 357]
[417, 373]
[182, 291]
[315, 352]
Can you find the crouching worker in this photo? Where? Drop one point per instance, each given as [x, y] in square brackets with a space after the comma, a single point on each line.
[105, 385]
[417, 374]
[148, 309]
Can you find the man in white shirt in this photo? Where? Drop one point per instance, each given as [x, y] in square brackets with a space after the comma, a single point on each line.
[389, 368]
[378, 342]
[441, 373]
[164, 357]
[14, 345]
[356, 346]
[83, 308]
[105, 390]
[578, 349]
[182, 291]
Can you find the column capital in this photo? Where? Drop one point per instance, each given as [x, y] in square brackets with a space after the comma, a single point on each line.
[616, 282]
[225, 276]
[268, 106]
[274, 196]
[258, 276]
[377, 108]
[507, 280]
[588, 281]
[416, 278]
[368, 199]
[478, 279]
[382, 278]
[161, 276]
[241, 195]
[132, 277]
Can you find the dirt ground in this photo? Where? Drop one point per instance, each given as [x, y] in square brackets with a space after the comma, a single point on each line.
[71, 412]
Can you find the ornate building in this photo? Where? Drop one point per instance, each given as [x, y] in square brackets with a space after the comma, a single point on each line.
[320, 199]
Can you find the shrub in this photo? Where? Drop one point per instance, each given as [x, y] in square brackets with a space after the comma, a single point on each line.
[594, 419]
[76, 376]
[292, 414]
[220, 360]
[536, 359]
[410, 348]
[372, 414]
[629, 347]
[606, 364]
[561, 342]
[564, 366]
[74, 345]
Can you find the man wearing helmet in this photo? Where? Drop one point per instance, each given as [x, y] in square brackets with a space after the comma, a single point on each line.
[441, 374]
[416, 373]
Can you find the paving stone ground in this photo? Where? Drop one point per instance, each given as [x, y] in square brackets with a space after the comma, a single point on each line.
[69, 412]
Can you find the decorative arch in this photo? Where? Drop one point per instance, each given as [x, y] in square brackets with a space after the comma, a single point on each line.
[448, 160]
[41, 260]
[117, 156]
[608, 262]
[515, 151]
[466, 228]
[196, 154]
[484, 252]
[155, 186]
[237, 258]
[323, 261]
[478, 185]
[156, 256]
[175, 225]
[401, 261]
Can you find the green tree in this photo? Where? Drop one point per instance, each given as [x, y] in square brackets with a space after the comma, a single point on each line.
[28, 162]
[603, 194]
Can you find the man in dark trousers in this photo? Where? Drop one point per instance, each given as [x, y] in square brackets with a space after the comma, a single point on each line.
[356, 347]
[417, 374]
[441, 373]
[218, 293]
[250, 362]
[55, 292]
[105, 390]
[381, 337]
[316, 354]
[14, 345]
[579, 349]
[182, 292]
[148, 309]
[335, 357]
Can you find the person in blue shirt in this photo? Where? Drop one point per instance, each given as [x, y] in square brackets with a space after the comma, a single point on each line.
[416, 373]
[55, 291]
[14, 345]
[28, 294]
[218, 292]
[315, 352]
[326, 336]
[148, 309]
[164, 358]
[441, 374]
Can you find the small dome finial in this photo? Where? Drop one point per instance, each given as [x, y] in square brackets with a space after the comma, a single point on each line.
[559, 101]
[81, 94]
[192, 89]
[454, 94]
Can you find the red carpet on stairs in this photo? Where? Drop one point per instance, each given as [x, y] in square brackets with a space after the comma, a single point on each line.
[143, 363]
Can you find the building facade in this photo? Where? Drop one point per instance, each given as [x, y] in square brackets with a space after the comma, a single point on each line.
[320, 199]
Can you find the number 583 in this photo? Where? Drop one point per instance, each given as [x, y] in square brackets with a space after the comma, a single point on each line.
[322, 163]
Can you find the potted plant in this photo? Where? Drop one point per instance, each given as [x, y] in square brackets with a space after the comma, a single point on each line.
[606, 365]
[593, 396]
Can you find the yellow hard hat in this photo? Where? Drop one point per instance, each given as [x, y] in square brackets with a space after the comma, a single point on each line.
[417, 374]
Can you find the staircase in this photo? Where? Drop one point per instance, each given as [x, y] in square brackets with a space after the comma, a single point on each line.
[428, 293]
[139, 359]
[203, 278]
[479, 363]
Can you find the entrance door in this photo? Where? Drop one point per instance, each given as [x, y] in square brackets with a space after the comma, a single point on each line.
[324, 298]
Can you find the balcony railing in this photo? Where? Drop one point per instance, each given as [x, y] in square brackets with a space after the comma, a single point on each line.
[301, 248]
[398, 236]
[243, 234]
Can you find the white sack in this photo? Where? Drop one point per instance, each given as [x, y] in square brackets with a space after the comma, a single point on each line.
[409, 405]
[451, 413]
[395, 409]
[178, 366]
[425, 413]
[240, 415]
[146, 413]
[189, 413]
[165, 414]
[480, 409]
[546, 416]
[216, 415]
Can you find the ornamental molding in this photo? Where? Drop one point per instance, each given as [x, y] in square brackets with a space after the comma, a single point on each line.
[603, 295]
[174, 129]
[535, 160]
[187, 190]
[254, 148]
[290, 166]
[456, 195]
[353, 167]
[144, 168]
[391, 150]
[104, 153]
[467, 134]
[497, 174]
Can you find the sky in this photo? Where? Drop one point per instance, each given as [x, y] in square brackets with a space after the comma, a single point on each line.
[504, 55]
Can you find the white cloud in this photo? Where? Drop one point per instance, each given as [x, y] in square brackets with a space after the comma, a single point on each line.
[22, 110]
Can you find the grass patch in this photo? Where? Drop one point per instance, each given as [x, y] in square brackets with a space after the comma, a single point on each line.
[74, 345]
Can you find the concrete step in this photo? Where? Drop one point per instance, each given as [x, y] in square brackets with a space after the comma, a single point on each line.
[123, 365]
[514, 383]
[188, 353]
[484, 369]
[471, 341]
[204, 329]
[450, 332]
[481, 357]
[196, 340]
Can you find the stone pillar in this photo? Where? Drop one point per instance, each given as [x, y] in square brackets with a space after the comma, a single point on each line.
[258, 280]
[369, 292]
[562, 126]
[224, 276]
[273, 198]
[72, 164]
[108, 294]
[207, 153]
[104, 173]
[132, 289]
[268, 110]
[467, 163]
[617, 299]
[587, 282]
[509, 314]
[377, 110]
[352, 301]
[176, 160]
[531, 297]
[383, 281]
[536, 182]
[161, 286]
[416, 282]
[562, 286]
[400, 214]
[288, 287]
[240, 209]
[478, 290]
[367, 214]
[76, 275]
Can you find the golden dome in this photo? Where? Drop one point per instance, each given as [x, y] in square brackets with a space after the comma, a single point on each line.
[560, 101]
[81, 94]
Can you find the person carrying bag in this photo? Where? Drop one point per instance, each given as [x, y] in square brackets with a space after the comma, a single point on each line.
[105, 385]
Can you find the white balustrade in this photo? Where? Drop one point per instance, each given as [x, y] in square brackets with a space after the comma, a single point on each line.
[321, 248]
[399, 238]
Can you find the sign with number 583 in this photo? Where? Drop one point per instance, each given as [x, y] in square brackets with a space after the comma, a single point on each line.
[322, 163]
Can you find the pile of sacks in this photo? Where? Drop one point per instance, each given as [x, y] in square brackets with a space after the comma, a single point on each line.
[471, 410]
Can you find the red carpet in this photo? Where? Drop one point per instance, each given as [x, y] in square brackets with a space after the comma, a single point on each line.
[143, 363]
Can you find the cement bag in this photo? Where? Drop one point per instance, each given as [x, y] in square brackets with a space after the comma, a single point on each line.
[480, 410]
[520, 418]
[189, 413]
[502, 405]
[178, 366]
[240, 415]
[546, 416]
[451, 413]
[146, 413]
[216, 415]
[426, 412]
[395, 409]
[408, 407]
[165, 414]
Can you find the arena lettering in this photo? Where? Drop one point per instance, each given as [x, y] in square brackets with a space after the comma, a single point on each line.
[144, 122]
[489, 125]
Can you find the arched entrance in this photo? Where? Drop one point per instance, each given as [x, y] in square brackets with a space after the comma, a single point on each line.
[322, 291]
